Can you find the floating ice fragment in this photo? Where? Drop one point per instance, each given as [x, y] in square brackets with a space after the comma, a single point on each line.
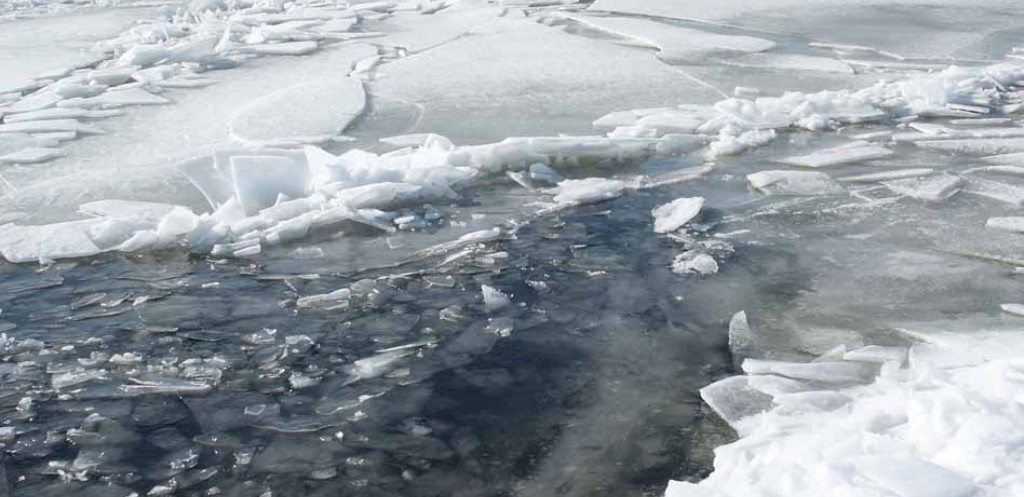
[588, 190]
[824, 372]
[888, 175]
[1015, 309]
[981, 146]
[48, 126]
[501, 327]
[77, 90]
[877, 353]
[1013, 224]
[37, 101]
[143, 55]
[733, 399]
[1002, 192]
[845, 154]
[702, 264]
[494, 299]
[673, 215]
[32, 155]
[934, 188]
[60, 113]
[337, 298]
[795, 183]
[542, 173]
[310, 112]
[741, 338]
[1014, 159]
[374, 366]
[117, 98]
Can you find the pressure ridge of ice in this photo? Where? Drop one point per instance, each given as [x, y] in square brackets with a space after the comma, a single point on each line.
[876, 421]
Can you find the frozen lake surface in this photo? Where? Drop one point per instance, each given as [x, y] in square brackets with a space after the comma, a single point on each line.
[425, 248]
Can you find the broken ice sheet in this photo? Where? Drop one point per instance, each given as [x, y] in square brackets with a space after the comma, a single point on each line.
[887, 175]
[310, 112]
[47, 242]
[845, 154]
[935, 188]
[32, 155]
[994, 190]
[675, 43]
[588, 190]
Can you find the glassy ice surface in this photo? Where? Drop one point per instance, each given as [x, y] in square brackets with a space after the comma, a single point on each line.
[511, 248]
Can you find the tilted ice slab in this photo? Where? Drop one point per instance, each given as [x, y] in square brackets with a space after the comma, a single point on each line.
[311, 112]
[939, 419]
[675, 43]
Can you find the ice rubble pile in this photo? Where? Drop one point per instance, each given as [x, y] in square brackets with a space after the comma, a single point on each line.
[174, 51]
[739, 124]
[265, 197]
[943, 418]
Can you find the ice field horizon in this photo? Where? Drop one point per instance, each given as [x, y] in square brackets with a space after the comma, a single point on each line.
[512, 248]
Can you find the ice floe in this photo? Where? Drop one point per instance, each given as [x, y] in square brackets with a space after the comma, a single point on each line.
[845, 154]
[673, 215]
[797, 183]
